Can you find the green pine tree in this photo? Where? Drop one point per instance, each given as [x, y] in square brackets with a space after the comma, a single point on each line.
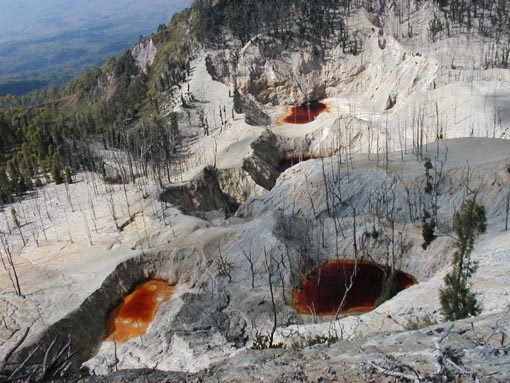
[457, 299]
[428, 221]
[237, 99]
[427, 231]
[56, 175]
[56, 171]
[69, 178]
[5, 189]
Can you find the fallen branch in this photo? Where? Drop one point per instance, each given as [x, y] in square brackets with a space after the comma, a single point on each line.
[55, 363]
[441, 354]
[390, 371]
[23, 364]
[394, 368]
[13, 350]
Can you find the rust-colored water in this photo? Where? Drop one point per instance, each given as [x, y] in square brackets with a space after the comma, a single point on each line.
[324, 289]
[303, 114]
[138, 310]
[289, 162]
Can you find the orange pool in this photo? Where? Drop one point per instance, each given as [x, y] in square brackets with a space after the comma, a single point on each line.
[303, 114]
[132, 318]
[325, 287]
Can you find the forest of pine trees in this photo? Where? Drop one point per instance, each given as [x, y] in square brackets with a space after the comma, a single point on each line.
[45, 135]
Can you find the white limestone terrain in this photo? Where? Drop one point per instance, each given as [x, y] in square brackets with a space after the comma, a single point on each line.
[80, 248]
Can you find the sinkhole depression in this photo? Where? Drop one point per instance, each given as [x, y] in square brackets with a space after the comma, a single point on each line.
[132, 318]
[323, 289]
[305, 113]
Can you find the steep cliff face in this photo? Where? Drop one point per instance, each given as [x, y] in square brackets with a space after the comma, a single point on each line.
[272, 71]
[105, 87]
[281, 73]
[200, 196]
[144, 54]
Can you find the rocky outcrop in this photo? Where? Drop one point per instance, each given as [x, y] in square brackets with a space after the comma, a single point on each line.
[272, 71]
[106, 86]
[201, 195]
[220, 68]
[263, 164]
[253, 115]
[278, 72]
[238, 184]
[144, 54]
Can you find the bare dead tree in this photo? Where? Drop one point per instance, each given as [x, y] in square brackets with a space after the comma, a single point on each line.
[68, 227]
[349, 283]
[281, 268]
[115, 357]
[41, 219]
[144, 224]
[68, 194]
[93, 209]
[507, 210]
[249, 257]
[11, 351]
[326, 185]
[126, 198]
[10, 266]
[46, 205]
[224, 266]
[271, 269]
[35, 235]
[386, 145]
[111, 205]
[55, 363]
[88, 229]
[17, 223]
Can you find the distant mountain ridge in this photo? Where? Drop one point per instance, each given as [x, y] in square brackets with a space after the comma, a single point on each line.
[53, 41]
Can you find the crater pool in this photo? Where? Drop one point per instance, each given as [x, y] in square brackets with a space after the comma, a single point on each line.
[322, 291]
[132, 318]
[303, 114]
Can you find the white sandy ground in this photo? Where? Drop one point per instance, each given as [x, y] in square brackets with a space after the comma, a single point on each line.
[65, 267]
[60, 272]
[420, 302]
[58, 275]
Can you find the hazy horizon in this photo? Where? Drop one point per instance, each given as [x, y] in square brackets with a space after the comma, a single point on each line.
[21, 20]
[53, 36]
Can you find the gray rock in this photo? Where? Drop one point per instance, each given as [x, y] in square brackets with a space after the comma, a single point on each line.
[202, 194]
[263, 164]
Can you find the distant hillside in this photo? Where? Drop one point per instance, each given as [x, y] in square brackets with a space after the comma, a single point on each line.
[52, 43]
